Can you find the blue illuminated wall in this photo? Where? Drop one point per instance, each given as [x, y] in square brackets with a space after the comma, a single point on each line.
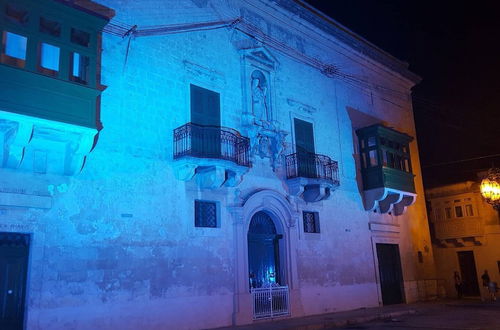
[115, 246]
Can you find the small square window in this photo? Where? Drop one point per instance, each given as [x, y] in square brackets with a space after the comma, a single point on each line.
[459, 212]
[311, 222]
[16, 14]
[80, 37]
[447, 211]
[79, 68]
[48, 61]
[205, 214]
[13, 49]
[50, 27]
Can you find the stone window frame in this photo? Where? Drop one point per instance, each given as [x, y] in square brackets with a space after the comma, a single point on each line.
[202, 223]
[317, 227]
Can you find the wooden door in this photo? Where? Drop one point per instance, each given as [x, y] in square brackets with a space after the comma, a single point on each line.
[469, 274]
[391, 275]
[263, 251]
[205, 111]
[304, 144]
[14, 250]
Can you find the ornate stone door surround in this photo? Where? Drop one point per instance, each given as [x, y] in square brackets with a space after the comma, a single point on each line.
[285, 219]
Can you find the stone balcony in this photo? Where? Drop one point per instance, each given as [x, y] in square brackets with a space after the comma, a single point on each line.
[459, 231]
[311, 176]
[214, 156]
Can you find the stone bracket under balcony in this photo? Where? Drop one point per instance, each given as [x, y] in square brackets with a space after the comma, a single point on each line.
[311, 176]
[209, 173]
[212, 156]
[462, 242]
[387, 200]
[43, 146]
[311, 190]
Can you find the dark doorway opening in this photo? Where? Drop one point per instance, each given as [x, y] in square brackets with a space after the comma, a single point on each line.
[263, 252]
[391, 275]
[469, 274]
[14, 252]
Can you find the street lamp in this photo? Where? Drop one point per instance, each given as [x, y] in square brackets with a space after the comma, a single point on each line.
[490, 187]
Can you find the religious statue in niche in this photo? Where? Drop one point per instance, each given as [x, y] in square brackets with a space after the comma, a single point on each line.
[266, 139]
[260, 100]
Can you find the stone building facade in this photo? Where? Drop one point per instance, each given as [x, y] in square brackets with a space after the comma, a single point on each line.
[174, 164]
[466, 235]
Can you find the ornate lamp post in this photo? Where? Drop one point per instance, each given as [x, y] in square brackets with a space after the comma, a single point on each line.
[490, 188]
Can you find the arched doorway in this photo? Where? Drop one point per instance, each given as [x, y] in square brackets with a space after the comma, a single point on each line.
[263, 252]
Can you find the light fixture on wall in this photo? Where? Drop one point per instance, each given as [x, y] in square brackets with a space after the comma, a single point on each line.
[490, 187]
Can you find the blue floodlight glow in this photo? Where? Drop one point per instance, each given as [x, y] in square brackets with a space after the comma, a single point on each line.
[76, 65]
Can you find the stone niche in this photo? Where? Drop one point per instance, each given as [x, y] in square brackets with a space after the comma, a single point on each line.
[267, 139]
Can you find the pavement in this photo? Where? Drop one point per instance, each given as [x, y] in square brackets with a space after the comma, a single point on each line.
[363, 315]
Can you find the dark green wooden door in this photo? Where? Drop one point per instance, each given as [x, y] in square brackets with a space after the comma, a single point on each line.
[391, 276]
[468, 272]
[205, 111]
[14, 250]
[304, 143]
[263, 251]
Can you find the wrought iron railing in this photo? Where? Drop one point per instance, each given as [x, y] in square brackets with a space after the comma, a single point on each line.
[310, 165]
[270, 302]
[211, 142]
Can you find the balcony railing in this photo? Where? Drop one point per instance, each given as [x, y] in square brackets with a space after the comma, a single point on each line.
[211, 142]
[313, 166]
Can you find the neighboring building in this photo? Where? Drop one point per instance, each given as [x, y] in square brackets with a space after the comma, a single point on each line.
[180, 165]
[466, 236]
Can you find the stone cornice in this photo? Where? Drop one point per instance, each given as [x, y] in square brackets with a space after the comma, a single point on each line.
[344, 35]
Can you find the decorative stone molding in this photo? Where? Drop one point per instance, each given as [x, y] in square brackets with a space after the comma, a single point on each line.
[209, 173]
[387, 200]
[311, 190]
[26, 137]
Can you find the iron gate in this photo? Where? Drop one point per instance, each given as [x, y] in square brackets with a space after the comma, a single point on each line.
[270, 302]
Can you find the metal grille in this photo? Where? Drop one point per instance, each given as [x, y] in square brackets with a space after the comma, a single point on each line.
[311, 222]
[205, 214]
[310, 165]
[211, 142]
[270, 302]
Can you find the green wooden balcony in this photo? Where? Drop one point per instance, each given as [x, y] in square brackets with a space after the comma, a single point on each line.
[386, 171]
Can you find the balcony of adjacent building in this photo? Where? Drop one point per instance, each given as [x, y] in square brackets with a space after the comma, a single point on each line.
[212, 155]
[459, 232]
[49, 84]
[311, 176]
[386, 170]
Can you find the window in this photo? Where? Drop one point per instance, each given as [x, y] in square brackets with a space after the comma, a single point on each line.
[459, 212]
[48, 59]
[311, 222]
[80, 37]
[13, 49]
[468, 210]
[79, 68]
[439, 214]
[205, 214]
[16, 14]
[447, 211]
[50, 27]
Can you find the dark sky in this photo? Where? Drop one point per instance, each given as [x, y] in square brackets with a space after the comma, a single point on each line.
[455, 47]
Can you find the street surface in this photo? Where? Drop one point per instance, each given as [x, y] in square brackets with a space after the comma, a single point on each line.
[479, 316]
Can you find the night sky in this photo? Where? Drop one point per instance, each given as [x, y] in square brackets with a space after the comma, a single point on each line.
[455, 47]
